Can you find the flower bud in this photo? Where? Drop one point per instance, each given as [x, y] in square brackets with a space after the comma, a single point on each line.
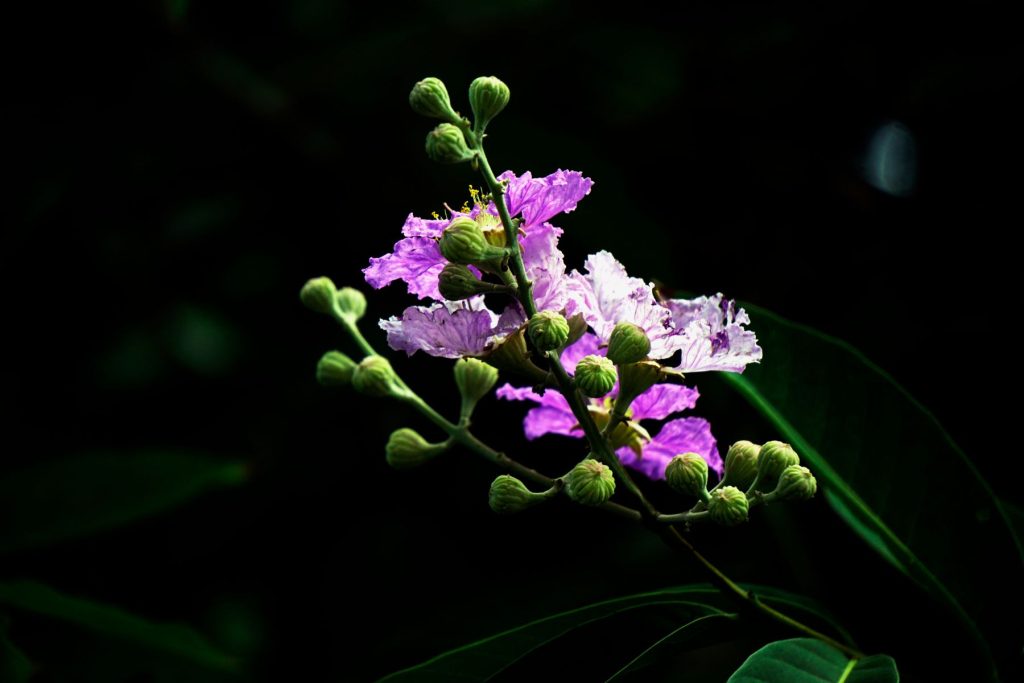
[351, 303]
[463, 242]
[335, 369]
[407, 449]
[319, 295]
[488, 96]
[635, 379]
[688, 475]
[509, 495]
[595, 376]
[741, 464]
[474, 378]
[628, 344]
[374, 376]
[446, 145]
[727, 506]
[456, 282]
[549, 330]
[590, 483]
[774, 457]
[430, 98]
[795, 483]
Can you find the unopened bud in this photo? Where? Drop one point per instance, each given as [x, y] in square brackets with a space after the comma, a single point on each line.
[487, 96]
[351, 303]
[446, 145]
[549, 330]
[509, 495]
[374, 376]
[688, 475]
[475, 379]
[774, 457]
[590, 483]
[628, 343]
[595, 376]
[407, 449]
[795, 483]
[728, 506]
[741, 464]
[430, 98]
[319, 295]
[463, 242]
[335, 369]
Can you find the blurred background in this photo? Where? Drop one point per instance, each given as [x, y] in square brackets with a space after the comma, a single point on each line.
[179, 169]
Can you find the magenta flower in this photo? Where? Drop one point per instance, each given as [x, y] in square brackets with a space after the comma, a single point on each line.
[680, 435]
[451, 329]
[708, 330]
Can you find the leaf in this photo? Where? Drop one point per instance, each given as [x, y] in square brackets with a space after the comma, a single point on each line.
[486, 658]
[80, 495]
[673, 640]
[805, 660]
[107, 620]
[887, 468]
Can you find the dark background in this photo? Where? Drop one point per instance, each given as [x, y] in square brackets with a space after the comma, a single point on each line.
[180, 169]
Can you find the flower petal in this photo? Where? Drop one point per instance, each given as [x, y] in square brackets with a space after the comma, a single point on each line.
[545, 266]
[554, 416]
[416, 260]
[446, 330]
[684, 435]
[662, 400]
[610, 296]
[539, 199]
[711, 335]
[419, 227]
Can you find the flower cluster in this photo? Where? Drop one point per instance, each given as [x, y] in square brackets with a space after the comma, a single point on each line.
[705, 334]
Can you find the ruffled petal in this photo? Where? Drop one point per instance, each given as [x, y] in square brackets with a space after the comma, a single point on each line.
[446, 330]
[684, 435]
[419, 227]
[553, 416]
[662, 400]
[711, 335]
[609, 296]
[539, 199]
[416, 260]
[545, 266]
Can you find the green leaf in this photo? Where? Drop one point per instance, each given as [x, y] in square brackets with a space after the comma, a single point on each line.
[805, 660]
[80, 495]
[887, 468]
[675, 641]
[488, 657]
[174, 639]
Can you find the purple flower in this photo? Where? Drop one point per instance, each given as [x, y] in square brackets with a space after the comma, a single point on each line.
[708, 330]
[681, 435]
[710, 333]
[540, 199]
[451, 329]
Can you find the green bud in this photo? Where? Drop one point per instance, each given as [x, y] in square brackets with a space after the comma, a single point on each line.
[590, 483]
[741, 464]
[628, 344]
[430, 98]
[463, 242]
[635, 379]
[374, 376]
[407, 449]
[727, 506]
[488, 96]
[475, 379]
[351, 303]
[335, 369]
[509, 495]
[795, 483]
[446, 145]
[595, 376]
[549, 330]
[774, 457]
[688, 475]
[511, 356]
[319, 295]
[457, 282]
